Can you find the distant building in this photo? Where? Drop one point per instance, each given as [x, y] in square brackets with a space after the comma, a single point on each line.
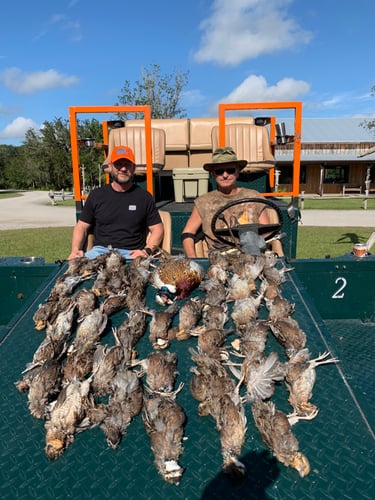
[337, 156]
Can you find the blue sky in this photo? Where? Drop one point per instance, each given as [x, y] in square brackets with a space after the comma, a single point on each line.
[55, 54]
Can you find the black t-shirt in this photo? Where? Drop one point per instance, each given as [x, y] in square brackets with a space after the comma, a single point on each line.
[120, 219]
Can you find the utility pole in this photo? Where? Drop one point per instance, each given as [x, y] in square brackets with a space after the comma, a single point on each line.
[83, 179]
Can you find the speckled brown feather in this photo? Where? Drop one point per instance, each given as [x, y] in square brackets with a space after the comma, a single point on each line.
[275, 431]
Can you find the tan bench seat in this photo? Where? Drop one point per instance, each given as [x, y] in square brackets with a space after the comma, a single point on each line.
[134, 137]
[176, 140]
[250, 142]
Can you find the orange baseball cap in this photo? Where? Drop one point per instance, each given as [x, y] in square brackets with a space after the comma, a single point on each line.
[119, 152]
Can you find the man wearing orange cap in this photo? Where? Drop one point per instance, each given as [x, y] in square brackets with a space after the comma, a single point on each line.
[121, 213]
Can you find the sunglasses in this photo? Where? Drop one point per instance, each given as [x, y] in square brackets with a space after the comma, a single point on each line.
[123, 164]
[228, 170]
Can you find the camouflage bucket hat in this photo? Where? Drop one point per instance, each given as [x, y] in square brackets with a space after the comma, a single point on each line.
[224, 155]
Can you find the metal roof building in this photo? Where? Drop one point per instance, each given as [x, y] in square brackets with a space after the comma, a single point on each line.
[331, 139]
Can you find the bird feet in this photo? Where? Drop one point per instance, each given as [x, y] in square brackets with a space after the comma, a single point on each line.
[321, 359]
[295, 417]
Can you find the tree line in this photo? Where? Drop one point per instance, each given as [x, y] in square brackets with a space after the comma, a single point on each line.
[43, 161]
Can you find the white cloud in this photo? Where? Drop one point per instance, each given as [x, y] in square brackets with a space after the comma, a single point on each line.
[192, 98]
[28, 83]
[18, 128]
[245, 29]
[255, 89]
[61, 23]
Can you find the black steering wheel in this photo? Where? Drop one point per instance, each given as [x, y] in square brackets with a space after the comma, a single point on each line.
[234, 231]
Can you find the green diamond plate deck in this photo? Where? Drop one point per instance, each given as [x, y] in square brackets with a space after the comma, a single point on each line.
[339, 442]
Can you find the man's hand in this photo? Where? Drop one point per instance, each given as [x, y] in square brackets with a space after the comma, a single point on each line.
[138, 253]
[75, 254]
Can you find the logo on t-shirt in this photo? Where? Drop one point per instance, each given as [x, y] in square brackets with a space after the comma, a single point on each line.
[132, 208]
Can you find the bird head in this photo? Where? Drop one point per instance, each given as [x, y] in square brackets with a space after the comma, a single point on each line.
[301, 464]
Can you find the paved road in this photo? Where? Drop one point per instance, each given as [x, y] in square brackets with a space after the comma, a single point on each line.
[339, 218]
[33, 209]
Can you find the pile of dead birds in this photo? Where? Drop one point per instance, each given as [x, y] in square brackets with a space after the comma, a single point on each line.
[85, 374]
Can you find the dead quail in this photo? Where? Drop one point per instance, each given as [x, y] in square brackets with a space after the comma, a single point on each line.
[253, 338]
[160, 325]
[188, 316]
[247, 267]
[300, 379]
[54, 344]
[238, 288]
[80, 353]
[75, 265]
[44, 387]
[278, 308]
[45, 313]
[132, 329]
[289, 334]
[216, 258]
[217, 272]
[210, 381]
[212, 386]
[275, 431]
[65, 285]
[114, 303]
[114, 262]
[215, 292]
[215, 316]
[260, 376]
[272, 291]
[90, 267]
[106, 361]
[270, 259]
[79, 362]
[244, 311]
[49, 310]
[211, 342]
[161, 371]
[86, 302]
[124, 404]
[91, 328]
[274, 275]
[139, 274]
[113, 277]
[65, 416]
[231, 422]
[164, 420]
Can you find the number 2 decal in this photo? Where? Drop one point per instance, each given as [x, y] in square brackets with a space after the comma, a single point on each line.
[341, 282]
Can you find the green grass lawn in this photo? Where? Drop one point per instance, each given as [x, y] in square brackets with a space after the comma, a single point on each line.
[51, 243]
[337, 203]
[333, 203]
[54, 243]
[319, 242]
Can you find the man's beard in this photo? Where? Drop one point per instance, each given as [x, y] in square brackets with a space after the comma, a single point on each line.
[124, 182]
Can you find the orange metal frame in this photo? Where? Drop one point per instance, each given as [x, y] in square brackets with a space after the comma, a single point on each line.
[222, 109]
[297, 107]
[75, 110]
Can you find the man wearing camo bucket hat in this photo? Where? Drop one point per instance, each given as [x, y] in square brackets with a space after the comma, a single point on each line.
[224, 169]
